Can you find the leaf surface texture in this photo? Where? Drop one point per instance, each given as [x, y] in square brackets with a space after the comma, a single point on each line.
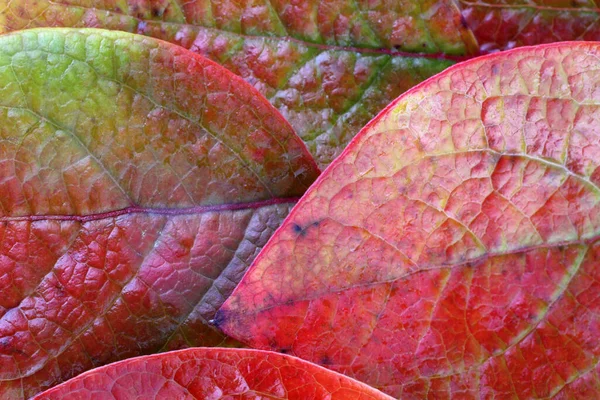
[504, 24]
[452, 250]
[213, 373]
[137, 182]
[328, 67]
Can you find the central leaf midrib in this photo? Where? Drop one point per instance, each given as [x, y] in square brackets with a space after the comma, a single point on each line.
[169, 211]
[426, 268]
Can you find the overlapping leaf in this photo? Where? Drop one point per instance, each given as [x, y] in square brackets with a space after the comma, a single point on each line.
[504, 24]
[329, 67]
[137, 182]
[213, 374]
[453, 249]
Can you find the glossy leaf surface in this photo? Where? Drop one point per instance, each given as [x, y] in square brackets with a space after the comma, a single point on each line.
[137, 182]
[452, 250]
[329, 67]
[213, 373]
[504, 24]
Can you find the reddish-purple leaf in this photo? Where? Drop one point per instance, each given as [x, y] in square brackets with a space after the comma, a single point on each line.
[504, 24]
[137, 182]
[213, 373]
[452, 250]
[328, 66]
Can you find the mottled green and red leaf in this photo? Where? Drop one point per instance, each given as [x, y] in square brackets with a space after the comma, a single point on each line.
[328, 67]
[138, 180]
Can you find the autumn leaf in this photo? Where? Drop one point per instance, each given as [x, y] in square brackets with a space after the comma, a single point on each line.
[211, 373]
[504, 24]
[137, 182]
[329, 67]
[452, 250]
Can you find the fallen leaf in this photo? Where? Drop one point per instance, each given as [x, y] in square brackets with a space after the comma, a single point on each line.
[453, 249]
[138, 180]
[213, 373]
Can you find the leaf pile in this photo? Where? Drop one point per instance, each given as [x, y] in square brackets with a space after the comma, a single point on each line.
[450, 251]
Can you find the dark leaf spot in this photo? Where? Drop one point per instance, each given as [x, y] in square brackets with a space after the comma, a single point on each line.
[325, 360]
[96, 361]
[8, 347]
[296, 228]
[4, 343]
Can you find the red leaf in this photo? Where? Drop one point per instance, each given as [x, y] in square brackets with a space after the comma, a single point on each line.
[328, 66]
[210, 374]
[137, 182]
[504, 24]
[452, 250]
